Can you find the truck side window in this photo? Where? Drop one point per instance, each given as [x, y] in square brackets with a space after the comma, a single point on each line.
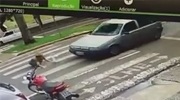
[130, 26]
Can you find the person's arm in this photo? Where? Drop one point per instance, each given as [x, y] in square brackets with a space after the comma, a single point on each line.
[40, 65]
[46, 59]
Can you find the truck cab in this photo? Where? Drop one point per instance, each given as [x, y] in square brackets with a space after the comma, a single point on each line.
[115, 35]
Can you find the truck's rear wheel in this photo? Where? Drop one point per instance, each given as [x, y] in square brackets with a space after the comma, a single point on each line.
[157, 36]
[114, 50]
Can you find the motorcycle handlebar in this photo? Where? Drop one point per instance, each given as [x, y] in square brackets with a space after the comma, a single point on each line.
[33, 72]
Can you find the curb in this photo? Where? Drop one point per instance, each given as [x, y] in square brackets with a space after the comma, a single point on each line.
[52, 42]
[139, 78]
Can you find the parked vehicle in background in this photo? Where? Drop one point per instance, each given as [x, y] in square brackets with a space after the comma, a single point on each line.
[115, 35]
[10, 92]
[9, 36]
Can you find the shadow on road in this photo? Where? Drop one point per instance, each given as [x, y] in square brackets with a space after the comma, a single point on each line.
[38, 97]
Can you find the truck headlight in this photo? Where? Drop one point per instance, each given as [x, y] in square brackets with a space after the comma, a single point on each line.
[72, 47]
[93, 48]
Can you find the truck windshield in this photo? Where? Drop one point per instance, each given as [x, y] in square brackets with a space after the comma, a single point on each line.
[107, 29]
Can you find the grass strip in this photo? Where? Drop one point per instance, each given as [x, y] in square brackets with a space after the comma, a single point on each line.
[19, 46]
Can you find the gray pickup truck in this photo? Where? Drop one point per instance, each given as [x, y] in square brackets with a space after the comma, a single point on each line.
[115, 35]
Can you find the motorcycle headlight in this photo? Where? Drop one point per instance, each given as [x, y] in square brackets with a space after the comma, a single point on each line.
[24, 77]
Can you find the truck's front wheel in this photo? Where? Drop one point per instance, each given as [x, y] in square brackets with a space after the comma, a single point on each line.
[114, 50]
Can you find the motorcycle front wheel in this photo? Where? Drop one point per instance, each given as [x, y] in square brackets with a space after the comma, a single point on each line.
[34, 88]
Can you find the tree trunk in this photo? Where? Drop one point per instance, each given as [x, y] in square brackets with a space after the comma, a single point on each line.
[2, 20]
[26, 35]
[38, 20]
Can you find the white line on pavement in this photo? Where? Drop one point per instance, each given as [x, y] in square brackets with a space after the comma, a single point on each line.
[129, 55]
[58, 60]
[170, 38]
[31, 95]
[22, 57]
[105, 74]
[16, 69]
[91, 67]
[101, 62]
[25, 61]
[20, 75]
[61, 67]
[120, 98]
[27, 65]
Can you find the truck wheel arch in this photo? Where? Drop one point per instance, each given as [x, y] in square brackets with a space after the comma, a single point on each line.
[116, 46]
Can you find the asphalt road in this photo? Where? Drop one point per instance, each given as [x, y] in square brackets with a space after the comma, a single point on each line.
[90, 77]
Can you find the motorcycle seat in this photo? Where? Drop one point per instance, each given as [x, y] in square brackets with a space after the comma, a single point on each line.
[48, 86]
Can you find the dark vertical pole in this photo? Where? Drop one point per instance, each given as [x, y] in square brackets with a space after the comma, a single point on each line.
[26, 35]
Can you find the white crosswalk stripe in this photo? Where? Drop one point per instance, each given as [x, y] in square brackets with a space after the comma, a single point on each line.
[61, 59]
[105, 74]
[25, 61]
[87, 68]
[71, 67]
[61, 67]
[20, 68]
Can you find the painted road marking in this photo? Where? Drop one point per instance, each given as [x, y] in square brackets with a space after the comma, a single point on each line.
[58, 60]
[25, 61]
[118, 77]
[105, 74]
[159, 59]
[27, 65]
[130, 71]
[22, 57]
[61, 67]
[129, 55]
[92, 67]
[120, 98]
[71, 75]
[170, 38]
[109, 72]
[125, 84]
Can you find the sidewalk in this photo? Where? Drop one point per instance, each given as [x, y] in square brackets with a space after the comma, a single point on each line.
[172, 75]
[164, 86]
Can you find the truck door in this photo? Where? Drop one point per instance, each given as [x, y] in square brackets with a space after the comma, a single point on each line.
[128, 38]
